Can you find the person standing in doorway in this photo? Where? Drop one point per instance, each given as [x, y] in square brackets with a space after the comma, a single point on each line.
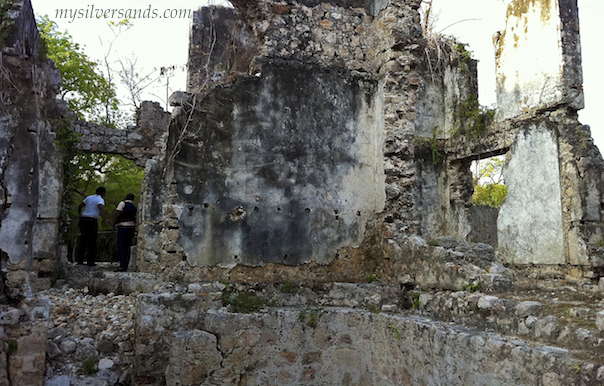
[125, 221]
[93, 205]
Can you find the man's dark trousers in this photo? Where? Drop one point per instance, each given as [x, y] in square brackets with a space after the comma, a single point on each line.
[89, 227]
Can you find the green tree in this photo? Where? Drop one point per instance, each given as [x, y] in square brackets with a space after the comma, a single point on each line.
[87, 91]
[489, 188]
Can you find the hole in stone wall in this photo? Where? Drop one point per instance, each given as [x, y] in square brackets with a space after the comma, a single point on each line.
[278, 208]
[206, 205]
[488, 180]
[256, 209]
[307, 210]
[285, 257]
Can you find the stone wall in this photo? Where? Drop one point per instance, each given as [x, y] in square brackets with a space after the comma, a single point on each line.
[250, 178]
[551, 215]
[139, 143]
[187, 339]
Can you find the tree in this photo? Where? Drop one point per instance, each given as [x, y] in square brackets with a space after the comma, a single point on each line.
[488, 183]
[83, 86]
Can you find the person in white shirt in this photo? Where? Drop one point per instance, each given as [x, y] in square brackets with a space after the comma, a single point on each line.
[93, 206]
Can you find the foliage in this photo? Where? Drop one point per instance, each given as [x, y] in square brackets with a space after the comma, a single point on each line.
[374, 308]
[241, 302]
[415, 297]
[88, 93]
[464, 56]
[13, 346]
[470, 117]
[493, 192]
[489, 194]
[310, 316]
[90, 367]
[473, 287]
[373, 277]
[395, 331]
[6, 23]
[289, 288]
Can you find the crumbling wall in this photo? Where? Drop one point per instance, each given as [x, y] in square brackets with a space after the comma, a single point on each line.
[284, 164]
[552, 214]
[30, 191]
[327, 345]
[138, 143]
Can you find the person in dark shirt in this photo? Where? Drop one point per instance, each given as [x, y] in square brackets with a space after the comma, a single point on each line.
[125, 221]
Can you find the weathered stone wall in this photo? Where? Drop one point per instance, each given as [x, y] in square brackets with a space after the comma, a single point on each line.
[253, 178]
[186, 340]
[552, 213]
[539, 57]
[139, 143]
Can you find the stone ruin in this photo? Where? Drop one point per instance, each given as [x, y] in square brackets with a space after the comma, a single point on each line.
[320, 160]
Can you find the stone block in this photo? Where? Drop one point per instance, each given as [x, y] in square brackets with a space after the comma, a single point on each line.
[527, 308]
[600, 320]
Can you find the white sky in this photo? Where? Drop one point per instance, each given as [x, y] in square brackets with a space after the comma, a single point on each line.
[164, 41]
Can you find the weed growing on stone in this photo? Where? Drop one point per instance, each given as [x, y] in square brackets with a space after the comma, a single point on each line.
[470, 117]
[90, 367]
[241, 302]
[139, 288]
[289, 288]
[373, 308]
[310, 316]
[472, 287]
[415, 297]
[13, 346]
[372, 278]
[464, 55]
[395, 331]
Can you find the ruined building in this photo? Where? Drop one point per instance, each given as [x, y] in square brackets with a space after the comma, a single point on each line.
[320, 159]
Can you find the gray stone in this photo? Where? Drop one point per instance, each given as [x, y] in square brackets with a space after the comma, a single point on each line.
[178, 98]
[68, 346]
[527, 308]
[52, 350]
[600, 374]
[600, 320]
[57, 332]
[105, 363]
[487, 302]
[109, 376]
[10, 317]
[59, 380]
[90, 382]
[85, 351]
[546, 327]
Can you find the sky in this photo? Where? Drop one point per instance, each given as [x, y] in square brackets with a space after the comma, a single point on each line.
[163, 41]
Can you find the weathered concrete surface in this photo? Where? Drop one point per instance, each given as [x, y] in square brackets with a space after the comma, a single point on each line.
[539, 57]
[307, 196]
[530, 219]
[329, 346]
